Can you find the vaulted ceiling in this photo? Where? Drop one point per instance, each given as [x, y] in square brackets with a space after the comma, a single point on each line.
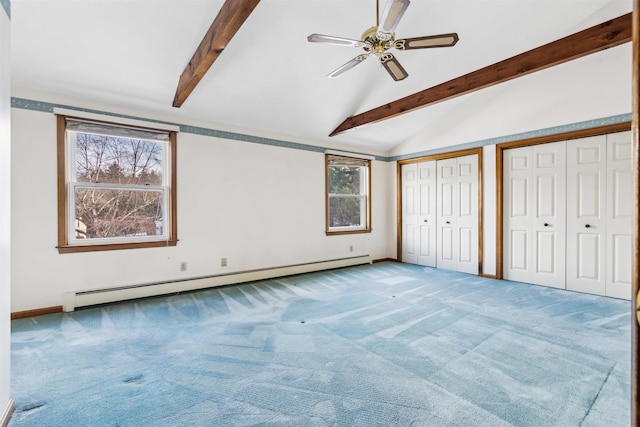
[270, 81]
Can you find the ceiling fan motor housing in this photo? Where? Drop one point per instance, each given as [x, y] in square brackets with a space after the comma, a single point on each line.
[376, 42]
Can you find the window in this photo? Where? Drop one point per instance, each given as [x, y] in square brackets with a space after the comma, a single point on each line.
[348, 183]
[116, 186]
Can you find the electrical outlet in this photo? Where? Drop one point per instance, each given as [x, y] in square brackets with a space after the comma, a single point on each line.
[223, 262]
[183, 266]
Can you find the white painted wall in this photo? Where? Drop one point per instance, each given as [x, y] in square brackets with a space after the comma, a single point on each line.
[5, 213]
[489, 210]
[256, 205]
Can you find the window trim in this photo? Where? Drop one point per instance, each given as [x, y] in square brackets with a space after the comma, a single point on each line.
[64, 246]
[329, 231]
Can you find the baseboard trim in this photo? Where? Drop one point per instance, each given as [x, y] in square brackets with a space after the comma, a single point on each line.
[36, 312]
[6, 415]
[384, 260]
[490, 276]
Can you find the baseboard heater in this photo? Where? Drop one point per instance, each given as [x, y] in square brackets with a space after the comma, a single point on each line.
[77, 299]
[5, 416]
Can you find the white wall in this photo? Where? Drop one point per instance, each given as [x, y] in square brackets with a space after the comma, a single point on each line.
[489, 210]
[5, 213]
[256, 205]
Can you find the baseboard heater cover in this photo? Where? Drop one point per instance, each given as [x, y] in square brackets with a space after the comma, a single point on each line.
[87, 298]
[5, 417]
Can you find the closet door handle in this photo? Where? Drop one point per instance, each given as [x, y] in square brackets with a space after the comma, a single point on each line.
[448, 222]
[426, 220]
[587, 226]
[546, 224]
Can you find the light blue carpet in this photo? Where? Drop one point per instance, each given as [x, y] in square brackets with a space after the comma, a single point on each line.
[378, 345]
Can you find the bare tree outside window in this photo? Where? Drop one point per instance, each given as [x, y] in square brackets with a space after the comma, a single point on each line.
[116, 184]
[107, 208]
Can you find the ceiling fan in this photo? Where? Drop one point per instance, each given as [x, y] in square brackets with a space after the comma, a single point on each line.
[378, 40]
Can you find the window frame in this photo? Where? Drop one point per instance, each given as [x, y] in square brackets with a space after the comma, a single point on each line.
[66, 218]
[366, 227]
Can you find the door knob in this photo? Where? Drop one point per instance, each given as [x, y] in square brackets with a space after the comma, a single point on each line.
[426, 220]
[448, 222]
[546, 224]
[587, 226]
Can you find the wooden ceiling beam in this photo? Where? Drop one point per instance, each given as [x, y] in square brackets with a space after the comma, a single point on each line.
[229, 20]
[595, 39]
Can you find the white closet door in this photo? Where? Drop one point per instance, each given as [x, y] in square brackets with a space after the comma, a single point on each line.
[426, 223]
[534, 217]
[467, 221]
[409, 213]
[619, 216]
[457, 199]
[518, 212]
[586, 214]
[447, 214]
[550, 209]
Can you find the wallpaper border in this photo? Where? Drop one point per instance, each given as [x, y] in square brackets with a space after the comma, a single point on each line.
[29, 104]
[6, 5]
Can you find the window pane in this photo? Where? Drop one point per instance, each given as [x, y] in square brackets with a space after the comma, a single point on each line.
[345, 180]
[102, 213]
[345, 212]
[110, 159]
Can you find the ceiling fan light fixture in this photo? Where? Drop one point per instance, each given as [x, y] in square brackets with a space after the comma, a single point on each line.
[376, 41]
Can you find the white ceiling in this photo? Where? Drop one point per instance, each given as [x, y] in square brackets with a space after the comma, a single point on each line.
[269, 80]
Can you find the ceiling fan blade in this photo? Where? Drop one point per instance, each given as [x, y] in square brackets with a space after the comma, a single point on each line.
[340, 41]
[391, 64]
[391, 15]
[442, 40]
[346, 67]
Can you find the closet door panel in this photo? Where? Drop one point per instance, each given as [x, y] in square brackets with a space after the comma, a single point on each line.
[589, 257]
[465, 252]
[586, 220]
[409, 174]
[447, 214]
[546, 256]
[427, 214]
[548, 176]
[519, 258]
[426, 252]
[533, 222]
[518, 216]
[620, 216]
[447, 254]
[467, 214]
